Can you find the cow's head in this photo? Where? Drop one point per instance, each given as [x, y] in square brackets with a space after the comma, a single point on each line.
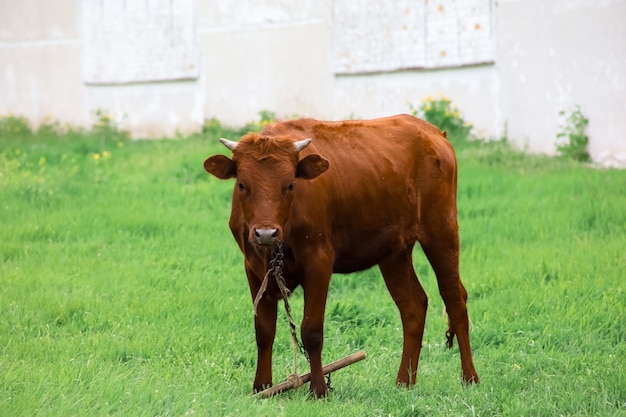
[267, 170]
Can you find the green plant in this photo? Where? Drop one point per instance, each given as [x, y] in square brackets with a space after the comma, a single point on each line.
[212, 127]
[266, 117]
[446, 116]
[572, 140]
[504, 135]
[12, 125]
[52, 128]
[106, 127]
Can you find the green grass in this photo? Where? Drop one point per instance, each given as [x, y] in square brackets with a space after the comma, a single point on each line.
[122, 292]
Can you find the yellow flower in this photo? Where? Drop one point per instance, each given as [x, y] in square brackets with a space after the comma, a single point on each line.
[96, 156]
[106, 154]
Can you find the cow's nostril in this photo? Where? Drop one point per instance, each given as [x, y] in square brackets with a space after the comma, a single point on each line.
[266, 236]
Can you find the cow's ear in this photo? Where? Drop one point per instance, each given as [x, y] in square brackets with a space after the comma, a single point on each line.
[311, 166]
[221, 166]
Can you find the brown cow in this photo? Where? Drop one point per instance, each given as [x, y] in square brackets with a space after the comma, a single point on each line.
[343, 197]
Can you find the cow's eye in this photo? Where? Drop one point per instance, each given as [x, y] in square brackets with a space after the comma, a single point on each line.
[240, 186]
[291, 186]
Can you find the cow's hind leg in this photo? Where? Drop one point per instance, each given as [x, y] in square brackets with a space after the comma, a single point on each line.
[442, 250]
[412, 302]
[450, 332]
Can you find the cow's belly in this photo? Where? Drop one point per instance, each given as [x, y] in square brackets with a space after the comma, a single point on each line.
[367, 233]
[347, 263]
[364, 248]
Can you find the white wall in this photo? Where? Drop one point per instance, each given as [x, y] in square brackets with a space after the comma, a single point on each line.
[473, 89]
[40, 60]
[283, 68]
[563, 53]
[278, 55]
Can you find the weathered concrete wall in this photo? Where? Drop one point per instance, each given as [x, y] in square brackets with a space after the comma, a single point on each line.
[40, 60]
[279, 55]
[555, 54]
[473, 89]
[267, 68]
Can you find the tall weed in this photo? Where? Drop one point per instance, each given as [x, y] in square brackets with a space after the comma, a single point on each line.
[446, 116]
[572, 141]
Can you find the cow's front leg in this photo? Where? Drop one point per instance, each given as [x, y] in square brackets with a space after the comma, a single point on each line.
[265, 327]
[312, 329]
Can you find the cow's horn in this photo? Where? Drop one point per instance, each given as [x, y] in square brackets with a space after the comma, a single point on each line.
[229, 144]
[301, 144]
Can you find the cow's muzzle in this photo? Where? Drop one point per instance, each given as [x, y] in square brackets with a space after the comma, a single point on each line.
[266, 236]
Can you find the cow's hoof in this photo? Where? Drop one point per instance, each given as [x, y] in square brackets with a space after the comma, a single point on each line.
[470, 379]
[319, 393]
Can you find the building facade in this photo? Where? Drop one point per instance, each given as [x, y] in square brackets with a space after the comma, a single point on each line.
[163, 66]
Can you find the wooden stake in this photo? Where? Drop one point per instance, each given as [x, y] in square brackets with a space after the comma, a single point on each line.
[331, 367]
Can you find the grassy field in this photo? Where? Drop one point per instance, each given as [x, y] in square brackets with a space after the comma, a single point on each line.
[122, 292]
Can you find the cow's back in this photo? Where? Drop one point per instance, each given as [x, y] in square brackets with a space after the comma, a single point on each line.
[370, 202]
